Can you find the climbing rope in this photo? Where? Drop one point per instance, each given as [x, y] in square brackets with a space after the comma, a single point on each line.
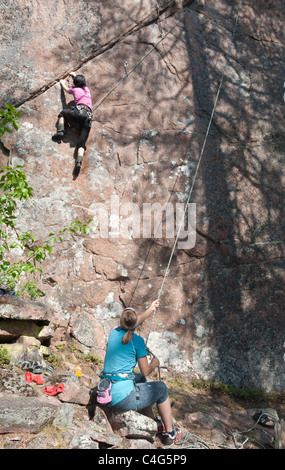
[198, 164]
[200, 443]
[128, 73]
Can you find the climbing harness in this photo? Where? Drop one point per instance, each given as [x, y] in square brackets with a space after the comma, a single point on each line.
[83, 112]
[104, 389]
[117, 377]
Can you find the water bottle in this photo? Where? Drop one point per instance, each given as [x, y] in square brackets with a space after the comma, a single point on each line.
[77, 371]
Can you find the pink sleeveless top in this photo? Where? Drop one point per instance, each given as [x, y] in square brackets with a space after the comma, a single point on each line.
[81, 95]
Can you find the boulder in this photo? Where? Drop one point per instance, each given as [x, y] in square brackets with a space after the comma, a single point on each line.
[82, 440]
[75, 393]
[63, 418]
[139, 444]
[28, 323]
[24, 352]
[23, 414]
[13, 329]
[133, 425]
[13, 384]
[17, 308]
[28, 342]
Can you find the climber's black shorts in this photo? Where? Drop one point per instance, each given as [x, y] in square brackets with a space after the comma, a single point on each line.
[72, 115]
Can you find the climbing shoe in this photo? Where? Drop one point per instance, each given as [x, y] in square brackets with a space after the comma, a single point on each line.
[38, 369]
[49, 370]
[173, 437]
[28, 365]
[160, 426]
[77, 167]
[58, 136]
[169, 438]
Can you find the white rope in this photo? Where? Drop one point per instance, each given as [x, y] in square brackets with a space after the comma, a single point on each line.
[128, 73]
[193, 441]
[198, 164]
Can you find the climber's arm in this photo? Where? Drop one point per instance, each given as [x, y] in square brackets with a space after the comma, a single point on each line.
[147, 368]
[149, 311]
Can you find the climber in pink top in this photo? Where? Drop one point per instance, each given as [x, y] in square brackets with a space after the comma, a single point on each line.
[81, 95]
[81, 114]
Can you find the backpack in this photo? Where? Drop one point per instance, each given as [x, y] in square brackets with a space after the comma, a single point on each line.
[104, 391]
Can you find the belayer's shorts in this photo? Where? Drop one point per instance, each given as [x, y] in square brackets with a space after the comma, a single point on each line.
[144, 394]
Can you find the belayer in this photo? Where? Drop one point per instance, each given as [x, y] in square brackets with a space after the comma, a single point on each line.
[123, 390]
[81, 114]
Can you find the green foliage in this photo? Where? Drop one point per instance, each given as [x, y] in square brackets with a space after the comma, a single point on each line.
[8, 117]
[5, 358]
[13, 188]
[94, 359]
[75, 354]
[230, 390]
[55, 360]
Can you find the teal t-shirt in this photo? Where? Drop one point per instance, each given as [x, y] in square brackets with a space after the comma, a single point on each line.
[121, 359]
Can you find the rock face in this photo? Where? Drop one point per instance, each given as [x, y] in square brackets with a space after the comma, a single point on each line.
[18, 414]
[221, 315]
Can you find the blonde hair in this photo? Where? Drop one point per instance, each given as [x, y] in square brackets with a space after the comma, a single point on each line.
[128, 322]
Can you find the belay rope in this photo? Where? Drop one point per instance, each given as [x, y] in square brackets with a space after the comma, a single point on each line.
[192, 441]
[198, 164]
[183, 442]
[98, 103]
[128, 73]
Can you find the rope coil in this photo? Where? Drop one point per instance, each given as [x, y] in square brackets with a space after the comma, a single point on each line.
[184, 442]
